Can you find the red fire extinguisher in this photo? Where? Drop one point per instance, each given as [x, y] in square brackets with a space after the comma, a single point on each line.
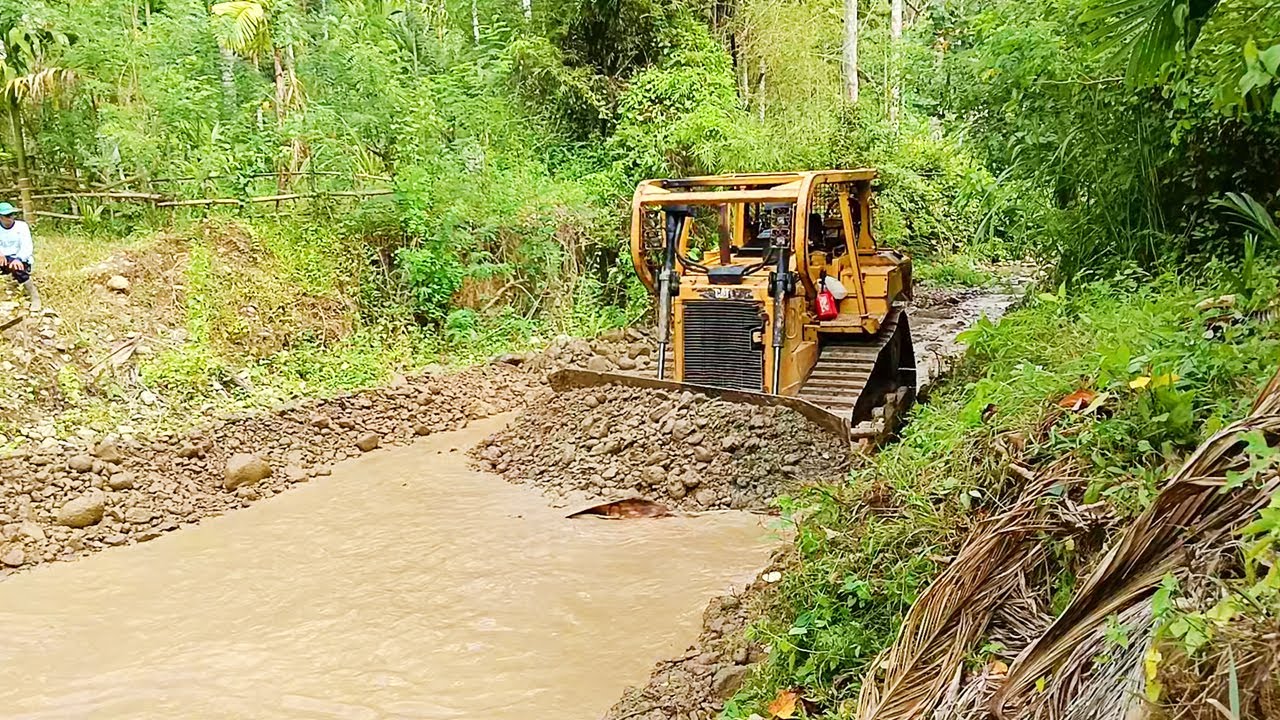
[826, 302]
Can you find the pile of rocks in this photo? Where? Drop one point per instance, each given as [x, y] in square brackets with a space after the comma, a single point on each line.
[59, 500]
[683, 449]
[629, 350]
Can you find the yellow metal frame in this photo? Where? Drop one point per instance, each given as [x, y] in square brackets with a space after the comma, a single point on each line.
[877, 278]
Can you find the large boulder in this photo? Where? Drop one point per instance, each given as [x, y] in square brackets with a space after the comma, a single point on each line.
[84, 510]
[80, 463]
[368, 442]
[244, 469]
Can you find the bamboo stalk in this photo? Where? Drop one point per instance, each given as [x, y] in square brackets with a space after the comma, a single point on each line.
[203, 201]
[115, 195]
[63, 216]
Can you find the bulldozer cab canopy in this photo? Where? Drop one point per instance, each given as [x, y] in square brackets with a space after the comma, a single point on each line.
[829, 211]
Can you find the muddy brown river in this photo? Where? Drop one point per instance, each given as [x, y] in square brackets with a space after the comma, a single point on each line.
[403, 586]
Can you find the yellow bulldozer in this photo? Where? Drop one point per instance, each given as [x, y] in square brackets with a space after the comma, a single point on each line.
[771, 289]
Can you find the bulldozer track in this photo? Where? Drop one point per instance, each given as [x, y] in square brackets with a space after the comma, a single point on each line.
[841, 380]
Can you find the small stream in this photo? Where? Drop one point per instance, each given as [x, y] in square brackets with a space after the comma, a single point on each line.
[403, 586]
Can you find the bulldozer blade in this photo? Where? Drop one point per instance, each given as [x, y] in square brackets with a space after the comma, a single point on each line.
[572, 379]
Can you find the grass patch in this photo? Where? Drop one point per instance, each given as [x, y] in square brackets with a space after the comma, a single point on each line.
[1165, 376]
[956, 270]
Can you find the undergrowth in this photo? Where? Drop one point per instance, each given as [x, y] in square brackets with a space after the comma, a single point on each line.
[1147, 376]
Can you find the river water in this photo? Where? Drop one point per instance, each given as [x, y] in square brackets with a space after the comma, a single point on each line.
[403, 586]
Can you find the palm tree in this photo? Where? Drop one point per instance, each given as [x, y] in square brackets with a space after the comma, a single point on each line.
[28, 76]
[247, 32]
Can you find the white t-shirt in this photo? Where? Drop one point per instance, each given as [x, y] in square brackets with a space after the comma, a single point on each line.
[16, 242]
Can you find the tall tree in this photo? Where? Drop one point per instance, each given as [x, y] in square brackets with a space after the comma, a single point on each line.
[29, 75]
[895, 38]
[851, 49]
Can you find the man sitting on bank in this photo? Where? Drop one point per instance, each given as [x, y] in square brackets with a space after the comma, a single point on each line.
[17, 252]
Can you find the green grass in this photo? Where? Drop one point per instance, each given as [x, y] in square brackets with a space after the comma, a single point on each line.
[956, 270]
[858, 569]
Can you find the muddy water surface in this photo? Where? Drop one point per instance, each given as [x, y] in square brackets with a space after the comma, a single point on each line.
[404, 586]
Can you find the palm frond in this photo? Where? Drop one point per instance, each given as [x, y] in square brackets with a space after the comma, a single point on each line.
[943, 625]
[1251, 215]
[38, 86]
[246, 30]
[1193, 507]
[1148, 34]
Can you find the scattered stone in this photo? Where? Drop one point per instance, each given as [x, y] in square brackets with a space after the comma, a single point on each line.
[139, 516]
[32, 531]
[369, 442]
[80, 463]
[244, 469]
[14, 556]
[118, 283]
[727, 680]
[108, 451]
[122, 481]
[84, 510]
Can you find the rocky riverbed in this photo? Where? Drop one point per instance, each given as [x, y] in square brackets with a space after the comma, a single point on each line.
[60, 500]
[63, 498]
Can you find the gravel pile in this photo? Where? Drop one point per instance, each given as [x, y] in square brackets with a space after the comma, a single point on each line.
[59, 500]
[682, 449]
[627, 350]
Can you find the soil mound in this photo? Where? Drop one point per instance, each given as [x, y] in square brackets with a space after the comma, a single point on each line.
[682, 449]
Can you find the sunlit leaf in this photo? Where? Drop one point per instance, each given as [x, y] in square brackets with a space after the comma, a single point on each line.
[784, 705]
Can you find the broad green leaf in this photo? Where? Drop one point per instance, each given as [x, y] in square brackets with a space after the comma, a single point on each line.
[1271, 59]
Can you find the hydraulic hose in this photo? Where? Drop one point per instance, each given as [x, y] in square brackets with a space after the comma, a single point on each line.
[780, 289]
[668, 283]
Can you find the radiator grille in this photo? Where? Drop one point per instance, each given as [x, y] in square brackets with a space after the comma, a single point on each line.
[718, 350]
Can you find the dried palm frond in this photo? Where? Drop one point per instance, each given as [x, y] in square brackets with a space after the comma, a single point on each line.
[924, 665]
[1193, 506]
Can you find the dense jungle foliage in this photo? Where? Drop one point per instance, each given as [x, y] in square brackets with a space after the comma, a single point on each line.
[1087, 134]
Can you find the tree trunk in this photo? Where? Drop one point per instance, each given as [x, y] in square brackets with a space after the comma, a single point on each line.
[851, 50]
[282, 98]
[20, 157]
[895, 33]
[760, 93]
[282, 87]
[475, 22]
[528, 9]
[229, 100]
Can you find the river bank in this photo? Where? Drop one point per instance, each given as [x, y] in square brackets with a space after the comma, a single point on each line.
[63, 498]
